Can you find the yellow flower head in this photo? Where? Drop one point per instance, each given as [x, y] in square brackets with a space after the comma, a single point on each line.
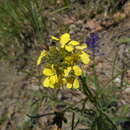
[68, 44]
[67, 71]
[63, 63]
[84, 57]
[51, 79]
[74, 83]
[77, 70]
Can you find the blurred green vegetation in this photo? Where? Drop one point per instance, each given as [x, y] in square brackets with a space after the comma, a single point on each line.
[21, 23]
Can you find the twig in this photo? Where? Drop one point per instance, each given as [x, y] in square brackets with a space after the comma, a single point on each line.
[73, 118]
[39, 116]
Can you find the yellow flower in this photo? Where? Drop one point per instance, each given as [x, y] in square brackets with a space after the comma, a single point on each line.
[73, 84]
[76, 83]
[65, 38]
[66, 42]
[84, 57]
[67, 71]
[81, 47]
[72, 81]
[48, 72]
[69, 48]
[69, 85]
[54, 38]
[52, 78]
[46, 82]
[43, 53]
[73, 43]
[77, 70]
[69, 59]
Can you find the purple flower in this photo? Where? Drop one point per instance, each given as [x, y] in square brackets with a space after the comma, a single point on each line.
[92, 41]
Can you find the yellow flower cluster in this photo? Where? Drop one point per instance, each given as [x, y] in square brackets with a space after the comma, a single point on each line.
[62, 62]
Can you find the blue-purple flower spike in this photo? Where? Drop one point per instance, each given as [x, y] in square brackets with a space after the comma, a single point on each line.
[92, 41]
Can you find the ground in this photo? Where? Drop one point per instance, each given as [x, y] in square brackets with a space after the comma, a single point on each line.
[18, 91]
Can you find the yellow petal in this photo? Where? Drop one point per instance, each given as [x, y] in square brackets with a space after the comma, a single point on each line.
[54, 38]
[77, 70]
[46, 82]
[48, 72]
[64, 39]
[69, 48]
[69, 85]
[68, 59]
[84, 58]
[64, 80]
[52, 67]
[53, 79]
[73, 43]
[81, 47]
[43, 53]
[52, 86]
[67, 71]
[76, 83]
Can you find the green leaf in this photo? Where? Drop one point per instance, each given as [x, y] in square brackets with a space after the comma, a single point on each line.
[124, 40]
[103, 122]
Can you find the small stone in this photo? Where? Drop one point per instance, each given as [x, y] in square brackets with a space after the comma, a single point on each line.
[72, 26]
[117, 80]
[79, 22]
[127, 90]
[35, 87]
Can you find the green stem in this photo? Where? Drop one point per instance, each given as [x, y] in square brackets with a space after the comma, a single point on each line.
[73, 118]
